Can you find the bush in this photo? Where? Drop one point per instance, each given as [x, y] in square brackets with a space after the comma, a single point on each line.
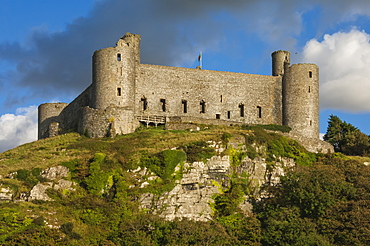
[30, 178]
[163, 164]
[97, 181]
[198, 151]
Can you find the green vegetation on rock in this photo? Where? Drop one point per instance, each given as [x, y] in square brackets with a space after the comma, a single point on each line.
[322, 201]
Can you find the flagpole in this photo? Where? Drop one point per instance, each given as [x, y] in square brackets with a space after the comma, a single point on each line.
[201, 59]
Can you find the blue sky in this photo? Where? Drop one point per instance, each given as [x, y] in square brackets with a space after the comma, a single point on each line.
[46, 48]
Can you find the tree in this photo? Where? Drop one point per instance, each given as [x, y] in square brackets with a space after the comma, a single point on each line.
[345, 137]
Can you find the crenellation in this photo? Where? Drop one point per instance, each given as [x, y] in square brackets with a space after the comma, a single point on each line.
[124, 91]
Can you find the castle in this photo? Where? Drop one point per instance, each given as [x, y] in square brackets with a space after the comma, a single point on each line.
[124, 92]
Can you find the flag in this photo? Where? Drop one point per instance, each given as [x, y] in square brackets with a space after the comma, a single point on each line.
[199, 57]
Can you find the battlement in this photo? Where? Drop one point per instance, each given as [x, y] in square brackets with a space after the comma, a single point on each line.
[124, 92]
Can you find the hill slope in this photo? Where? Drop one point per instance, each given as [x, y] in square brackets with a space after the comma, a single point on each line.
[217, 186]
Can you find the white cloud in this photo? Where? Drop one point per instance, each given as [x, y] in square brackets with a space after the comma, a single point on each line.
[18, 128]
[344, 61]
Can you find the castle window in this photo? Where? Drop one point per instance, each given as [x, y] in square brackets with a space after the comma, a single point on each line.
[202, 107]
[185, 106]
[228, 114]
[259, 108]
[309, 89]
[218, 116]
[241, 109]
[144, 101]
[221, 98]
[119, 91]
[163, 101]
[310, 74]
[310, 122]
[118, 57]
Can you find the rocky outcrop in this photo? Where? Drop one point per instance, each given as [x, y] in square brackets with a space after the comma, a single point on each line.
[193, 195]
[38, 192]
[6, 194]
[55, 177]
[55, 174]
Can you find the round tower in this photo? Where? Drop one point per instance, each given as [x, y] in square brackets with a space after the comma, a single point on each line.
[48, 113]
[114, 73]
[280, 62]
[301, 99]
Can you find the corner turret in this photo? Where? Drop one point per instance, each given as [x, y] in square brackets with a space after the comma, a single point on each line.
[301, 99]
[280, 62]
[49, 119]
[114, 73]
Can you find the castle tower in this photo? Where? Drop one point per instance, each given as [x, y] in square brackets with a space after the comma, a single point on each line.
[301, 99]
[48, 118]
[280, 62]
[114, 73]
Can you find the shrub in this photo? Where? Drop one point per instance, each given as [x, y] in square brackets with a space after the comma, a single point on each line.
[198, 151]
[96, 182]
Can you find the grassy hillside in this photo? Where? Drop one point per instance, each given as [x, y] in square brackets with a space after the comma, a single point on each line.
[324, 201]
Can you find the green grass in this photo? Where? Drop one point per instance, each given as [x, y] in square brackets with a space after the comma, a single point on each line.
[123, 150]
[40, 154]
[103, 201]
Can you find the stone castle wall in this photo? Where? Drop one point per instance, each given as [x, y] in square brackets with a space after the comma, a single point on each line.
[114, 73]
[48, 113]
[167, 91]
[301, 99]
[106, 123]
[71, 115]
[66, 115]
[123, 91]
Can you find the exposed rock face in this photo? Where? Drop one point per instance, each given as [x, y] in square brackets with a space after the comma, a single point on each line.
[6, 194]
[54, 174]
[192, 196]
[55, 177]
[57, 172]
[38, 192]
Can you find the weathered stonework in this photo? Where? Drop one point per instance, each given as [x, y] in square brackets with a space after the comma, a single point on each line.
[124, 92]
